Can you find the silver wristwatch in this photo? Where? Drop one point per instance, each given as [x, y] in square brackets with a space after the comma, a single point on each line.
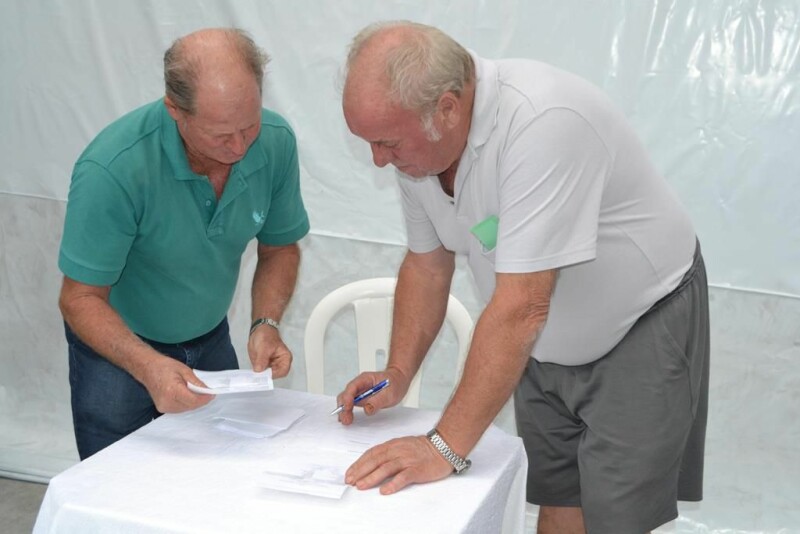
[264, 320]
[459, 464]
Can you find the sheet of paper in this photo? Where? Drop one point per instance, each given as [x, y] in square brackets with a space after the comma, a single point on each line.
[272, 414]
[364, 434]
[244, 428]
[257, 424]
[323, 478]
[315, 480]
[246, 417]
[233, 381]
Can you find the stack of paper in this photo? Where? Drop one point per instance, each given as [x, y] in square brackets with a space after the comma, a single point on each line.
[308, 479]
[233, 381]
[291, 471]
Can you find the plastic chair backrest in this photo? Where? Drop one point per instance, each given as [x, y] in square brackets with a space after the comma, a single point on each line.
[372, 300]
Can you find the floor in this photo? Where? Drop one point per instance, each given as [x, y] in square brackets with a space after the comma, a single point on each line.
[19, 504]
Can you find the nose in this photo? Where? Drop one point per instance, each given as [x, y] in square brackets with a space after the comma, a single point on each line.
[381, 155]
[237, 144]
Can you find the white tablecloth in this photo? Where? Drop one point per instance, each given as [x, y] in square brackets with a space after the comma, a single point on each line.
[182, 474]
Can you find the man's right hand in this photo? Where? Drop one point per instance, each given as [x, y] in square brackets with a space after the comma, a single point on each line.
[386, 398]
[165, 380]
[91, 317]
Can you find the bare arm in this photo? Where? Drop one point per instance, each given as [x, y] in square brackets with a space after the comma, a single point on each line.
[87, 311]
[273, 285]
[420, 305]
[500, 348]
[423, 285]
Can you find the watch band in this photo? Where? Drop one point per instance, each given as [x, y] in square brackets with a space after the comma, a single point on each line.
[263, 320]
[459, 464]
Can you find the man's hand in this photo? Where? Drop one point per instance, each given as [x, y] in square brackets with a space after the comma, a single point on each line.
[165, 380]
[404, 461]
[386, 398]
[266, 349]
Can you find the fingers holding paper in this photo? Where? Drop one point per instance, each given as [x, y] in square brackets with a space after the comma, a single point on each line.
[166, 380]
[398, 463]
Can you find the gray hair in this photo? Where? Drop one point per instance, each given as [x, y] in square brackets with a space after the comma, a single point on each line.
[420, 69]
[181, 69]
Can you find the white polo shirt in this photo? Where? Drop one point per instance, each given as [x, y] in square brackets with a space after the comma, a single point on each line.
[574, 190]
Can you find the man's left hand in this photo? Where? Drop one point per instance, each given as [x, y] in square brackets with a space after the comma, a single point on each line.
[266, 349]
[403, 461]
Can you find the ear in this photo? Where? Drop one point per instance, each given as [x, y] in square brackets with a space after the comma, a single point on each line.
[449, 110]
[172, 109]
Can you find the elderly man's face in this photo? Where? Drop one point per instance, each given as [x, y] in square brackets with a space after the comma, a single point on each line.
[224, 125]
[395, 136]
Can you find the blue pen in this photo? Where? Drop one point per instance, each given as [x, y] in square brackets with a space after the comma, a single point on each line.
[361, 396]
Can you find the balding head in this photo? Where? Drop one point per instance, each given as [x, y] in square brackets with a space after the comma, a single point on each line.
[216, 59]
[409, 91]
[413, 64]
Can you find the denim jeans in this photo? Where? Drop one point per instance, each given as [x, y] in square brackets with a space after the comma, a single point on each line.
[108, 403]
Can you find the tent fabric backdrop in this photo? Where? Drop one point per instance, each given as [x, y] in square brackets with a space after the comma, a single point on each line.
[712, 87]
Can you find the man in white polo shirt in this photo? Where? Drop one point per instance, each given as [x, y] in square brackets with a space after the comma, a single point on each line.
[597, 312]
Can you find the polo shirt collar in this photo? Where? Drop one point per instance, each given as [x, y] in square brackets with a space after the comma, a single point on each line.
[486, 104]
[485, 108]
[171, 142]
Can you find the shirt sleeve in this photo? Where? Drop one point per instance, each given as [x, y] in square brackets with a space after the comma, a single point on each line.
[99, 227]
[550, 183]
[421, 234]
[287, 220]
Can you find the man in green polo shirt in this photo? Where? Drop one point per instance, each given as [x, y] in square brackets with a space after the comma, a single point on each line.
[161, 207]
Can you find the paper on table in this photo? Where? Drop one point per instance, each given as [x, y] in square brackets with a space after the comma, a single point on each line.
[263, 419]
[245, 421]
[244, 428]
[360, 436]
[324, 478]
[313, 480]
[267, 413]
[233, 381]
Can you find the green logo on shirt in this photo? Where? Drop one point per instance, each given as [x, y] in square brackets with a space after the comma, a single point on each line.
[486, 232]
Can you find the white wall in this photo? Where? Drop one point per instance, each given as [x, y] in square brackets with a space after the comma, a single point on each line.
[711, 86]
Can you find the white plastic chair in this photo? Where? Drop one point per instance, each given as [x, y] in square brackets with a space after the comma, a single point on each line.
[372, 301]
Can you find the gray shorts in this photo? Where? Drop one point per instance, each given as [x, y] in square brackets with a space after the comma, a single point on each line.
[623, 437]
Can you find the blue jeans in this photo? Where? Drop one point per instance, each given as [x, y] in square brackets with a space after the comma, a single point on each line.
[108, 403]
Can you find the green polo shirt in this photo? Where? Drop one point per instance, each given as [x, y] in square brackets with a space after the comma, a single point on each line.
[139, 220]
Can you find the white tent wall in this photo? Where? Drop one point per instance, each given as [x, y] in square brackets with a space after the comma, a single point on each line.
[712, 86]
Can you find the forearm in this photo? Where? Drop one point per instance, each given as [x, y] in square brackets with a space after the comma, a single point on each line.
[502, 343]
[98, 325]
[423, 286]
[495, 362]
[274, 280]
